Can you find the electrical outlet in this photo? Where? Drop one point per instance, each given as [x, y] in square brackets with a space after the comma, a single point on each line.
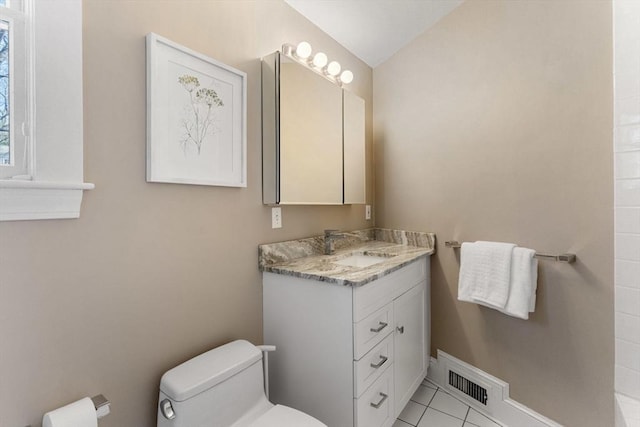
[276, 217]
[367, 212]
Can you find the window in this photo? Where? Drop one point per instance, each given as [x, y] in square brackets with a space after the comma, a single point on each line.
[6, 146]
[42, 175]
[14, 94]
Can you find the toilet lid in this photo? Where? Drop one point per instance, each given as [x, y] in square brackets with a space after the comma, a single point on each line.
[283, 416]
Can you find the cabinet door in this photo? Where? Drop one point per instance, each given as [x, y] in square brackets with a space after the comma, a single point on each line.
[354, 148]
[310, 137]
[409, 343]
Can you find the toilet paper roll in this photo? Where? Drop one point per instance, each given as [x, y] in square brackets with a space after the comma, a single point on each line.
[77, 414]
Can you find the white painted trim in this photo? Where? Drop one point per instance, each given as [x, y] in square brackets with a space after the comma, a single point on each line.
[41, 200]
[30, 126]
[7, 183]
[627, 411]
[500, 407]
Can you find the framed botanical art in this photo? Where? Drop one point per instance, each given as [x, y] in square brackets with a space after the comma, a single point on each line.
[196, 117]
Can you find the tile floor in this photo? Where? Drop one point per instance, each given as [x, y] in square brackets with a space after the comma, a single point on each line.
[431, 406]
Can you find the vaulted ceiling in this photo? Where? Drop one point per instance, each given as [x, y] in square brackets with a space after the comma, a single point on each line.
[374, 30]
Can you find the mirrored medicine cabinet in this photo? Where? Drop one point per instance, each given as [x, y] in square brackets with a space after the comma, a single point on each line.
[313, 137]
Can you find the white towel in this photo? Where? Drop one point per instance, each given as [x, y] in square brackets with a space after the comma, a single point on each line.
[524, 281]
[485, 273]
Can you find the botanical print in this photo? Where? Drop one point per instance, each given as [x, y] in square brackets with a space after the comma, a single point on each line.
[195, 119]
[200, 113]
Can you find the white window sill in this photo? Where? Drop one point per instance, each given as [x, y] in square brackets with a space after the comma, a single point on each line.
[27, 200]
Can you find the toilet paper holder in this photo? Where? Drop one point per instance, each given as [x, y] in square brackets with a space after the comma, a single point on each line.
[101, 404]
[78, 412]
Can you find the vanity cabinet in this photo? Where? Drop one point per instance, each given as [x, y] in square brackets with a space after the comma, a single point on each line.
[313, 137]
[351, 356]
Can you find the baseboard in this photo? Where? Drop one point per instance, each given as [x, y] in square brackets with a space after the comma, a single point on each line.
[627, 411]
[497, 404]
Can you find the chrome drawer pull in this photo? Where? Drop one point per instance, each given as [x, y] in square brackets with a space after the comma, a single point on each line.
[380, 363]
[379, 328]
[377, 405]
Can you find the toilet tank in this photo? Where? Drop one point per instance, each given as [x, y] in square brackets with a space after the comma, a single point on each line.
[217, 388]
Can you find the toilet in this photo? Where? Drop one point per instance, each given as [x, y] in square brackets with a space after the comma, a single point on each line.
[223, 387]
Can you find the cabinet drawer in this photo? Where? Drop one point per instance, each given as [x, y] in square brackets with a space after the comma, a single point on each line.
[409, 276]
[372, 365]
[375, 407]
[371, 296]
[370, 331]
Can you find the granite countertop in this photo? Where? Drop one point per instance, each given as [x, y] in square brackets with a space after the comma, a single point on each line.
[305, 257]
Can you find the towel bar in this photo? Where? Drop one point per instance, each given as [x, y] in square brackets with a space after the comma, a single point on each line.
[568, 258]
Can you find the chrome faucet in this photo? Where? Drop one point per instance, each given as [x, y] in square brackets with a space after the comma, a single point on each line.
[329, 238]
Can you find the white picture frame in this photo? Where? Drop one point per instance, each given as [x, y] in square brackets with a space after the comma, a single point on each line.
[196, 117]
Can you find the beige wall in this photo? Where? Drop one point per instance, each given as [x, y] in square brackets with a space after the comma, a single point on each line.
[151, 274]
[496, 124]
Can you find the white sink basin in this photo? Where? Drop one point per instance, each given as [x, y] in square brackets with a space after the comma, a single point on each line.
[361, 260]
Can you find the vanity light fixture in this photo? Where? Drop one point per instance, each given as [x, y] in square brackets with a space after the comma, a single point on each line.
[346, 77]
[333, 69]
[302, 53]
[320, 60]
[303, 50]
